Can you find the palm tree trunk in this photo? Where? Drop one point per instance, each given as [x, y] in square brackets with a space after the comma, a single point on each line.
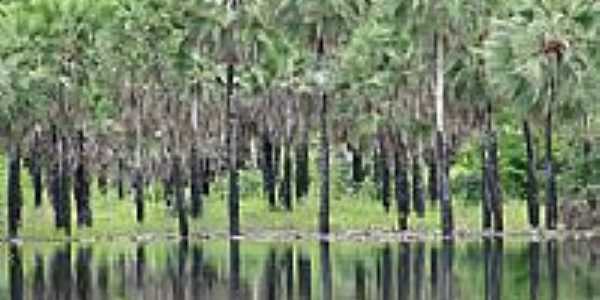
[196, 170]
[65, 186]
[55, 188]
[442, 153]
[587, 149]
[139, 176]
[551, 207]
[268, 172]
[486, 204]
[36, 170]
[15, 197]
[494, 186]
[82, 188]
[180, 196]
[401, 186]
[302, 159]
[120, 175]
[324, 159]
[532, 189]
[324, 166]
[287, 158]
[385, 173]
[231, 138]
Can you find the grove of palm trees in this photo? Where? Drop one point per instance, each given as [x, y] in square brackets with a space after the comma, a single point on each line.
[422, 115]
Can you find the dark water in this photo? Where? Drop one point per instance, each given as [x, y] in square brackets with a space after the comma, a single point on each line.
[487, 269]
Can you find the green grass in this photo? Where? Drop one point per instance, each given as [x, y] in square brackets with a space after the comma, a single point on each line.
[349, 211]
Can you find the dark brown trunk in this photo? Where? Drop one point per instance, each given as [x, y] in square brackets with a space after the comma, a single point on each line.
[532, 189]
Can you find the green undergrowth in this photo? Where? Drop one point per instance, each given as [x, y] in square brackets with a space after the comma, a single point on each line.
[351, 209]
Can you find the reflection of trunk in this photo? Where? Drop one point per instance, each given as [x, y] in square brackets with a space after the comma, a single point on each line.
[82, 188]
[385, 173]
[325, 270]
[288, 263]
[552, 248]
[386, 270]
[84, 272]
[404, 271]
[442, 152]
[447, 275]
[271, 274]
[534, 270]
[587, 149]
[39, 278]
[532, 201]
[140, 262]
[15, 197]
[401, 187]
[419, 265]
[36, 170]
[359, 280]
[16, 272]
[234, 269]
[305, 279]
[434, 272]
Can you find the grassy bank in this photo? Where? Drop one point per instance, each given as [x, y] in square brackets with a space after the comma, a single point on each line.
[349, 211]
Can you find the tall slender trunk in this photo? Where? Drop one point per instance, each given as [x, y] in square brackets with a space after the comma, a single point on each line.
[494, 185]
[551, 206]
[417, 188]
[55, 188]
[324, 159]
[82, 188]
[302, 159]
[36, 169]
[65, 186]
[486, 202]
[324, 166]
[532, 189]
[231, 137]
[401, 186]
[385, 173]
[15, 197]
[195, 171]
[432, 180]
[442, 152]
[287, 158]
[357, 165]
[587, 173]
[180, 196]
[268, 172]
[139, 176]
[325, 264]
[120, 175]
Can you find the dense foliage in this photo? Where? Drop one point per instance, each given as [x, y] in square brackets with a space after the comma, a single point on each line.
[436, 93]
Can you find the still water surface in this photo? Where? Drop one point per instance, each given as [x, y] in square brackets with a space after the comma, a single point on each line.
[486, 269]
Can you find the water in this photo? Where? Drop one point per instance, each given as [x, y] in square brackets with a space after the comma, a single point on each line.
[490, 269]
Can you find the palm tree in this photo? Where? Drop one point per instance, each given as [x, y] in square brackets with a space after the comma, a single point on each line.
[535, 54]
